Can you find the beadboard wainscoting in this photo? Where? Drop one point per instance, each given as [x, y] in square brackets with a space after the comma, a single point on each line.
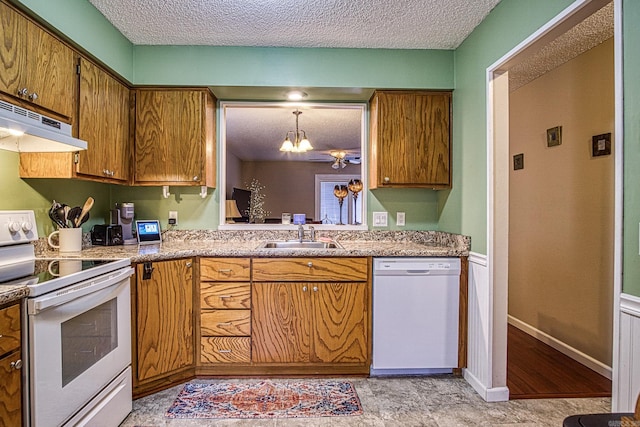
[478, 372]
[628, 384]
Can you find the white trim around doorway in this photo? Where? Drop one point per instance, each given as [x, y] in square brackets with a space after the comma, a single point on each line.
[498, 190]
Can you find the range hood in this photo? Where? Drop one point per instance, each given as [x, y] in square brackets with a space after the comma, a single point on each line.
[26, 131]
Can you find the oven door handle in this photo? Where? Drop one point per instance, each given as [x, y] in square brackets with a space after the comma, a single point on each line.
[81, 289]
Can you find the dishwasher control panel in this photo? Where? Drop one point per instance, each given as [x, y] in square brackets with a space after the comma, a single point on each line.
[407, 266]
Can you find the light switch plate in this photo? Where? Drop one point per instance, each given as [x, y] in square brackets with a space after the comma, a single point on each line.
[380, 219]
[400, 219]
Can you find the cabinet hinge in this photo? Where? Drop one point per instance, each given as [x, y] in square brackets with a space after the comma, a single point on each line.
[78, 69]
[76, 158]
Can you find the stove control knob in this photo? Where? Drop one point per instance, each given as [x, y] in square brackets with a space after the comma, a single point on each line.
[27, 226]
[14, 227]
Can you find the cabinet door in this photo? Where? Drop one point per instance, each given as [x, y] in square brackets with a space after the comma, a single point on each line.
[170, 137]
[340, 318]
[164, 314]
[11, 390]
[51, 72]
[12, 50]
[104, 124]
[411, 139]
[280, 322]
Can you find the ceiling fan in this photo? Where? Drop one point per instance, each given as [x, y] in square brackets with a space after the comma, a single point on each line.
[341, 159]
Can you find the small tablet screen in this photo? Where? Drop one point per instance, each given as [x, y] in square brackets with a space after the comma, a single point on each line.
[148, 232]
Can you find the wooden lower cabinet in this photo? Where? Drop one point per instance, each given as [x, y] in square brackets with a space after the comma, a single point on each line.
[163, 317]
[10, 367]
[284, 316]
[310, 323]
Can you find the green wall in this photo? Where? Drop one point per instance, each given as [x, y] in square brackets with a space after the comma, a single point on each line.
[38, 194]
[249, 66]
[464, 209]
[631, 259]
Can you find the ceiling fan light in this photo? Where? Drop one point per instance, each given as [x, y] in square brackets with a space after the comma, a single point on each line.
[335, 165]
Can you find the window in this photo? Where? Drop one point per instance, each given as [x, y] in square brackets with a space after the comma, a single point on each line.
[328, 206]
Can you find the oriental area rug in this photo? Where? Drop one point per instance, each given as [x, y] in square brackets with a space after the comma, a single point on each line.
[266, 399]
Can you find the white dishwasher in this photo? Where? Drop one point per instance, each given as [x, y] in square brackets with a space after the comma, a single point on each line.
[415, 315]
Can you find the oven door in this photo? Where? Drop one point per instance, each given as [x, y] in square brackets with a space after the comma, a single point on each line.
[79, 340]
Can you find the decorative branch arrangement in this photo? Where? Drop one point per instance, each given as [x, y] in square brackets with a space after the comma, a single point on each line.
[257, 213]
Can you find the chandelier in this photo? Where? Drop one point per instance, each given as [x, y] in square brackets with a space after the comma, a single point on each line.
[300, 143]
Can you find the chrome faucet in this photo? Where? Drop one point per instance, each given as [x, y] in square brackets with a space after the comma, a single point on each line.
[312, 232]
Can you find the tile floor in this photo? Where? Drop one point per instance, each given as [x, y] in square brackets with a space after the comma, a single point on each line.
[436, 401]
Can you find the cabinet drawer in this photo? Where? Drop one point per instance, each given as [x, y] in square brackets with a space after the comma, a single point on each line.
[9, 329]
[225, 323]
[225, 269]
[225, 350]
[310, 269]
[225, 295]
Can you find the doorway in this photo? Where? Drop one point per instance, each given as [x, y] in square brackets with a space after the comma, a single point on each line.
[540, 324]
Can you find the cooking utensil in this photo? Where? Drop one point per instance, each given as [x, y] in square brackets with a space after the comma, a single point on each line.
[74, 215]
[85, 211]
[54, 218]
[56, 213]
[66, 216]
[83, 219]
[60, 216]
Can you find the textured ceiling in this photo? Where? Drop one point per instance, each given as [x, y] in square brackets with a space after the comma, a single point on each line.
[393, 24]
[256, 133]
[589, 33]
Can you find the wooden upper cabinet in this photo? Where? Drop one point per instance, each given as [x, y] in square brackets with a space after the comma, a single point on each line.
[37, 67]
[174, 137]
[104, 123]
[410, 139]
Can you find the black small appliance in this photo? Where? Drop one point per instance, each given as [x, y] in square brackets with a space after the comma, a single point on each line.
[106, 235]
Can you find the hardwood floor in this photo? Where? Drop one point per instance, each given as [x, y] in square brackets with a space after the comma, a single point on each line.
[537, 371]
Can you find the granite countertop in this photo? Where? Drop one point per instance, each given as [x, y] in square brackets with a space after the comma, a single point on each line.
[212, 243]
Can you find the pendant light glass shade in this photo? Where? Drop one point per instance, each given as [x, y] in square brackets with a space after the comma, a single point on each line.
[300, 144]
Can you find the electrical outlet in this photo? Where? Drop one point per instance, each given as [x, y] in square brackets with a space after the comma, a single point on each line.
[173, 217]
[400, 219]
[379, 219]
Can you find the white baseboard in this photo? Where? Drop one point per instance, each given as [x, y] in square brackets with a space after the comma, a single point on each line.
[562, 347]
[496, 394]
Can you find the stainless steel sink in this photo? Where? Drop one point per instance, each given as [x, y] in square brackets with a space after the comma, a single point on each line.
[296, 244]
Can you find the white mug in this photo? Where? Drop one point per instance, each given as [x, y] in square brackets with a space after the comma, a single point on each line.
[65, 267]
[69, 239]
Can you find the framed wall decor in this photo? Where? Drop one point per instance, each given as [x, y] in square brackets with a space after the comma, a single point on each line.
[518, 161]
[554, 136]
[601, 145]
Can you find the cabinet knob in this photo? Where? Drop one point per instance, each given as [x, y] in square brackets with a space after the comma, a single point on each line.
[310, 264]
[16, 365]
[23, 92]
[33, 96]
[315, 289]
[387, 179]
[304, 289]
[188, 264]
[196, 178]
